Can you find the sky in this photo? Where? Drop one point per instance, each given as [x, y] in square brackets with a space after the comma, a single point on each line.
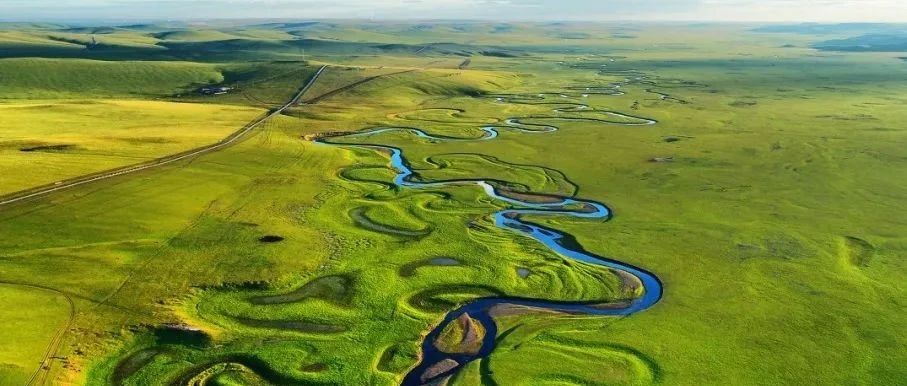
[530, 10]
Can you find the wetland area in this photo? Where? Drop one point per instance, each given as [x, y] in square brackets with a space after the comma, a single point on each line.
[450, 203]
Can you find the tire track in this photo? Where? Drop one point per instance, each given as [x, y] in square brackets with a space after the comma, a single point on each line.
[358, 83]
[226, 142]
[54, 346]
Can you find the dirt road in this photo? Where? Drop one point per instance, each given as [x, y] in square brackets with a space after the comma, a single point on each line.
[226, 142]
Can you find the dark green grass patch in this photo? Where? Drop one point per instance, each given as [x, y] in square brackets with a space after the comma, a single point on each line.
[772, 229]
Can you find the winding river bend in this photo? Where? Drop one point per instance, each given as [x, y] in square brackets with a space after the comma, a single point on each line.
[436, 365]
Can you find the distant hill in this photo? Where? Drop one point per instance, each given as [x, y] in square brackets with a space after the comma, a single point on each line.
[193, 35]
[867, 43]
[58, 78]
[832, 29]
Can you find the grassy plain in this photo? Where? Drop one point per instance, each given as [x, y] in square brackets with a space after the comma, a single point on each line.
[33, 318]
[765, 199]
[48, 141]
[791, 187]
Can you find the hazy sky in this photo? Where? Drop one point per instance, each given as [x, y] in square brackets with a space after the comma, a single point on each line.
[722, 10]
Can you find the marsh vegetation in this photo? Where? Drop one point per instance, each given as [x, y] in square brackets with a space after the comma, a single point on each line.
[758, 179]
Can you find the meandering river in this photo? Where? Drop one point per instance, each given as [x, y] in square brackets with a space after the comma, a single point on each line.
[435, 364]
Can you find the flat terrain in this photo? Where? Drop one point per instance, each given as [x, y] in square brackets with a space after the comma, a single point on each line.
[48, 141]
[34, 320]
[756, 176]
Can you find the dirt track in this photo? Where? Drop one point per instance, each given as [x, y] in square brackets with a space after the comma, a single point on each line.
[54, 345]
[351, 86]
[226, 142]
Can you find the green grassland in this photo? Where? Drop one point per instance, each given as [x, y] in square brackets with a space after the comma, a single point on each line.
[48, 141]
[36, 78]
[264, 82]
[66, 118]
[33, 320]
[765, 198]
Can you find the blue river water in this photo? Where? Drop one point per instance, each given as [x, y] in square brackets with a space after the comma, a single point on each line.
[435, 364]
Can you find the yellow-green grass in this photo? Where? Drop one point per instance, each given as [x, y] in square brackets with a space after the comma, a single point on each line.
[756, 241]
[542, 350]
[36, 78]
[194, 35]
[264, 84]
[129, 275]
[393, 44]
[772, 227]
[716, 240]
[210, 214]
[121, 38]
[80, 37]
[383, 299]
[755, 226]
[336, 79]
[32, 320]
[48, 141]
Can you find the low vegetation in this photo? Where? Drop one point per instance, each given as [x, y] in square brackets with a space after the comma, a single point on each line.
[757, 178]
[51, 140]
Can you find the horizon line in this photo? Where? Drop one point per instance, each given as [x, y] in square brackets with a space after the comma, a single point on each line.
[417, 20]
